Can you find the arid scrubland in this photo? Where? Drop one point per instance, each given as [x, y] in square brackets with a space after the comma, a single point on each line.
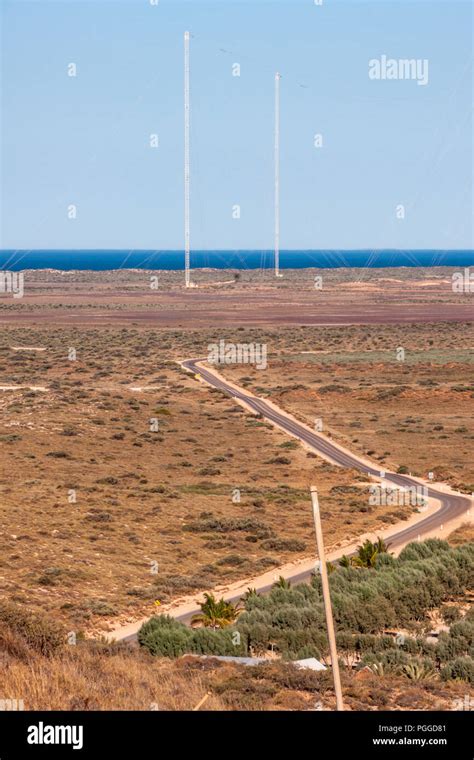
[238, 297]
[47, 673]
[401, 395]
[125, 481]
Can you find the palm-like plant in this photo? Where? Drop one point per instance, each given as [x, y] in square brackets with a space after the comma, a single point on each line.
[418, 671]
[367, 553]
[346, 561]
[382, 547]
[216, 613]
[282, 583]
[378, 669]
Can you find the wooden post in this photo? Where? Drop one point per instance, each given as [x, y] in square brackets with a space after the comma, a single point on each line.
[327, 599]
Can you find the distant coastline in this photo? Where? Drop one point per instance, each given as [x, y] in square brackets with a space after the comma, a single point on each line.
[173, 260]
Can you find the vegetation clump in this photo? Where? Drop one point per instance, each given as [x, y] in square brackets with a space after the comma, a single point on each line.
[372, 594]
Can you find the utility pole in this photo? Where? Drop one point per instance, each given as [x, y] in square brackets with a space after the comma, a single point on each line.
[277, 174]
[327, 599]
[187, 274]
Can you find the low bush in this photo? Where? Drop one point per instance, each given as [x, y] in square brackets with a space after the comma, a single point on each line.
[39, 632]
[284, 545]
[226, 525]
[461, 668]
[393, 593]
[164, 637]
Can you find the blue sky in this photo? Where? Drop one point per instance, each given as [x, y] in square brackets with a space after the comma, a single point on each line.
[84, 140]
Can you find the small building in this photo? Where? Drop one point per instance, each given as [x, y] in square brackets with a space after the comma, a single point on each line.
[311, 663]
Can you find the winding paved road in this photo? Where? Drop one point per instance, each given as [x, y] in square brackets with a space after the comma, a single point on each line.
[452, 505]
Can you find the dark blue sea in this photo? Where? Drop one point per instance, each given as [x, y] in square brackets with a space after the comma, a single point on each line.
[245, 259]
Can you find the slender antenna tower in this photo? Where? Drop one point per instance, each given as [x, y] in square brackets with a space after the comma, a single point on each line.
[277, 174]
[187, 274]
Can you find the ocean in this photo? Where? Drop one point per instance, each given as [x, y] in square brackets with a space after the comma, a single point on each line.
[100, 260]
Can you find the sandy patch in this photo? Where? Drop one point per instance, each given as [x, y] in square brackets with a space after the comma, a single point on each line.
[20, 387]
[141, 388]
[27, 348]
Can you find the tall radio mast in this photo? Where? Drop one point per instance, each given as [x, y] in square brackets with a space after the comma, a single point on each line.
[187, 273]
[277, 174]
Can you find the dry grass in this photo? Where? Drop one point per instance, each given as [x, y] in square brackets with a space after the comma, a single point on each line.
[83, 680]
[88, 679]
[462, 535]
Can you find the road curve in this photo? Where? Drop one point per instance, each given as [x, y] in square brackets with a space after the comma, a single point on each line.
[452, 505]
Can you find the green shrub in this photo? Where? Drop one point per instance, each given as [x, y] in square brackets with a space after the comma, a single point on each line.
[226, 525]
[461, 668]
[257, 635]
[423, 549]
[284, 545]
[163, 636]
[394, 593]
[218, 642]
[458, 642]
[391, 660]
[287, 616]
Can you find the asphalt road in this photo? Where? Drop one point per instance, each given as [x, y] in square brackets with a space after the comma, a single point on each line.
[452, 505]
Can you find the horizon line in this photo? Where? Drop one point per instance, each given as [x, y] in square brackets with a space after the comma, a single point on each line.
[230, 250]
